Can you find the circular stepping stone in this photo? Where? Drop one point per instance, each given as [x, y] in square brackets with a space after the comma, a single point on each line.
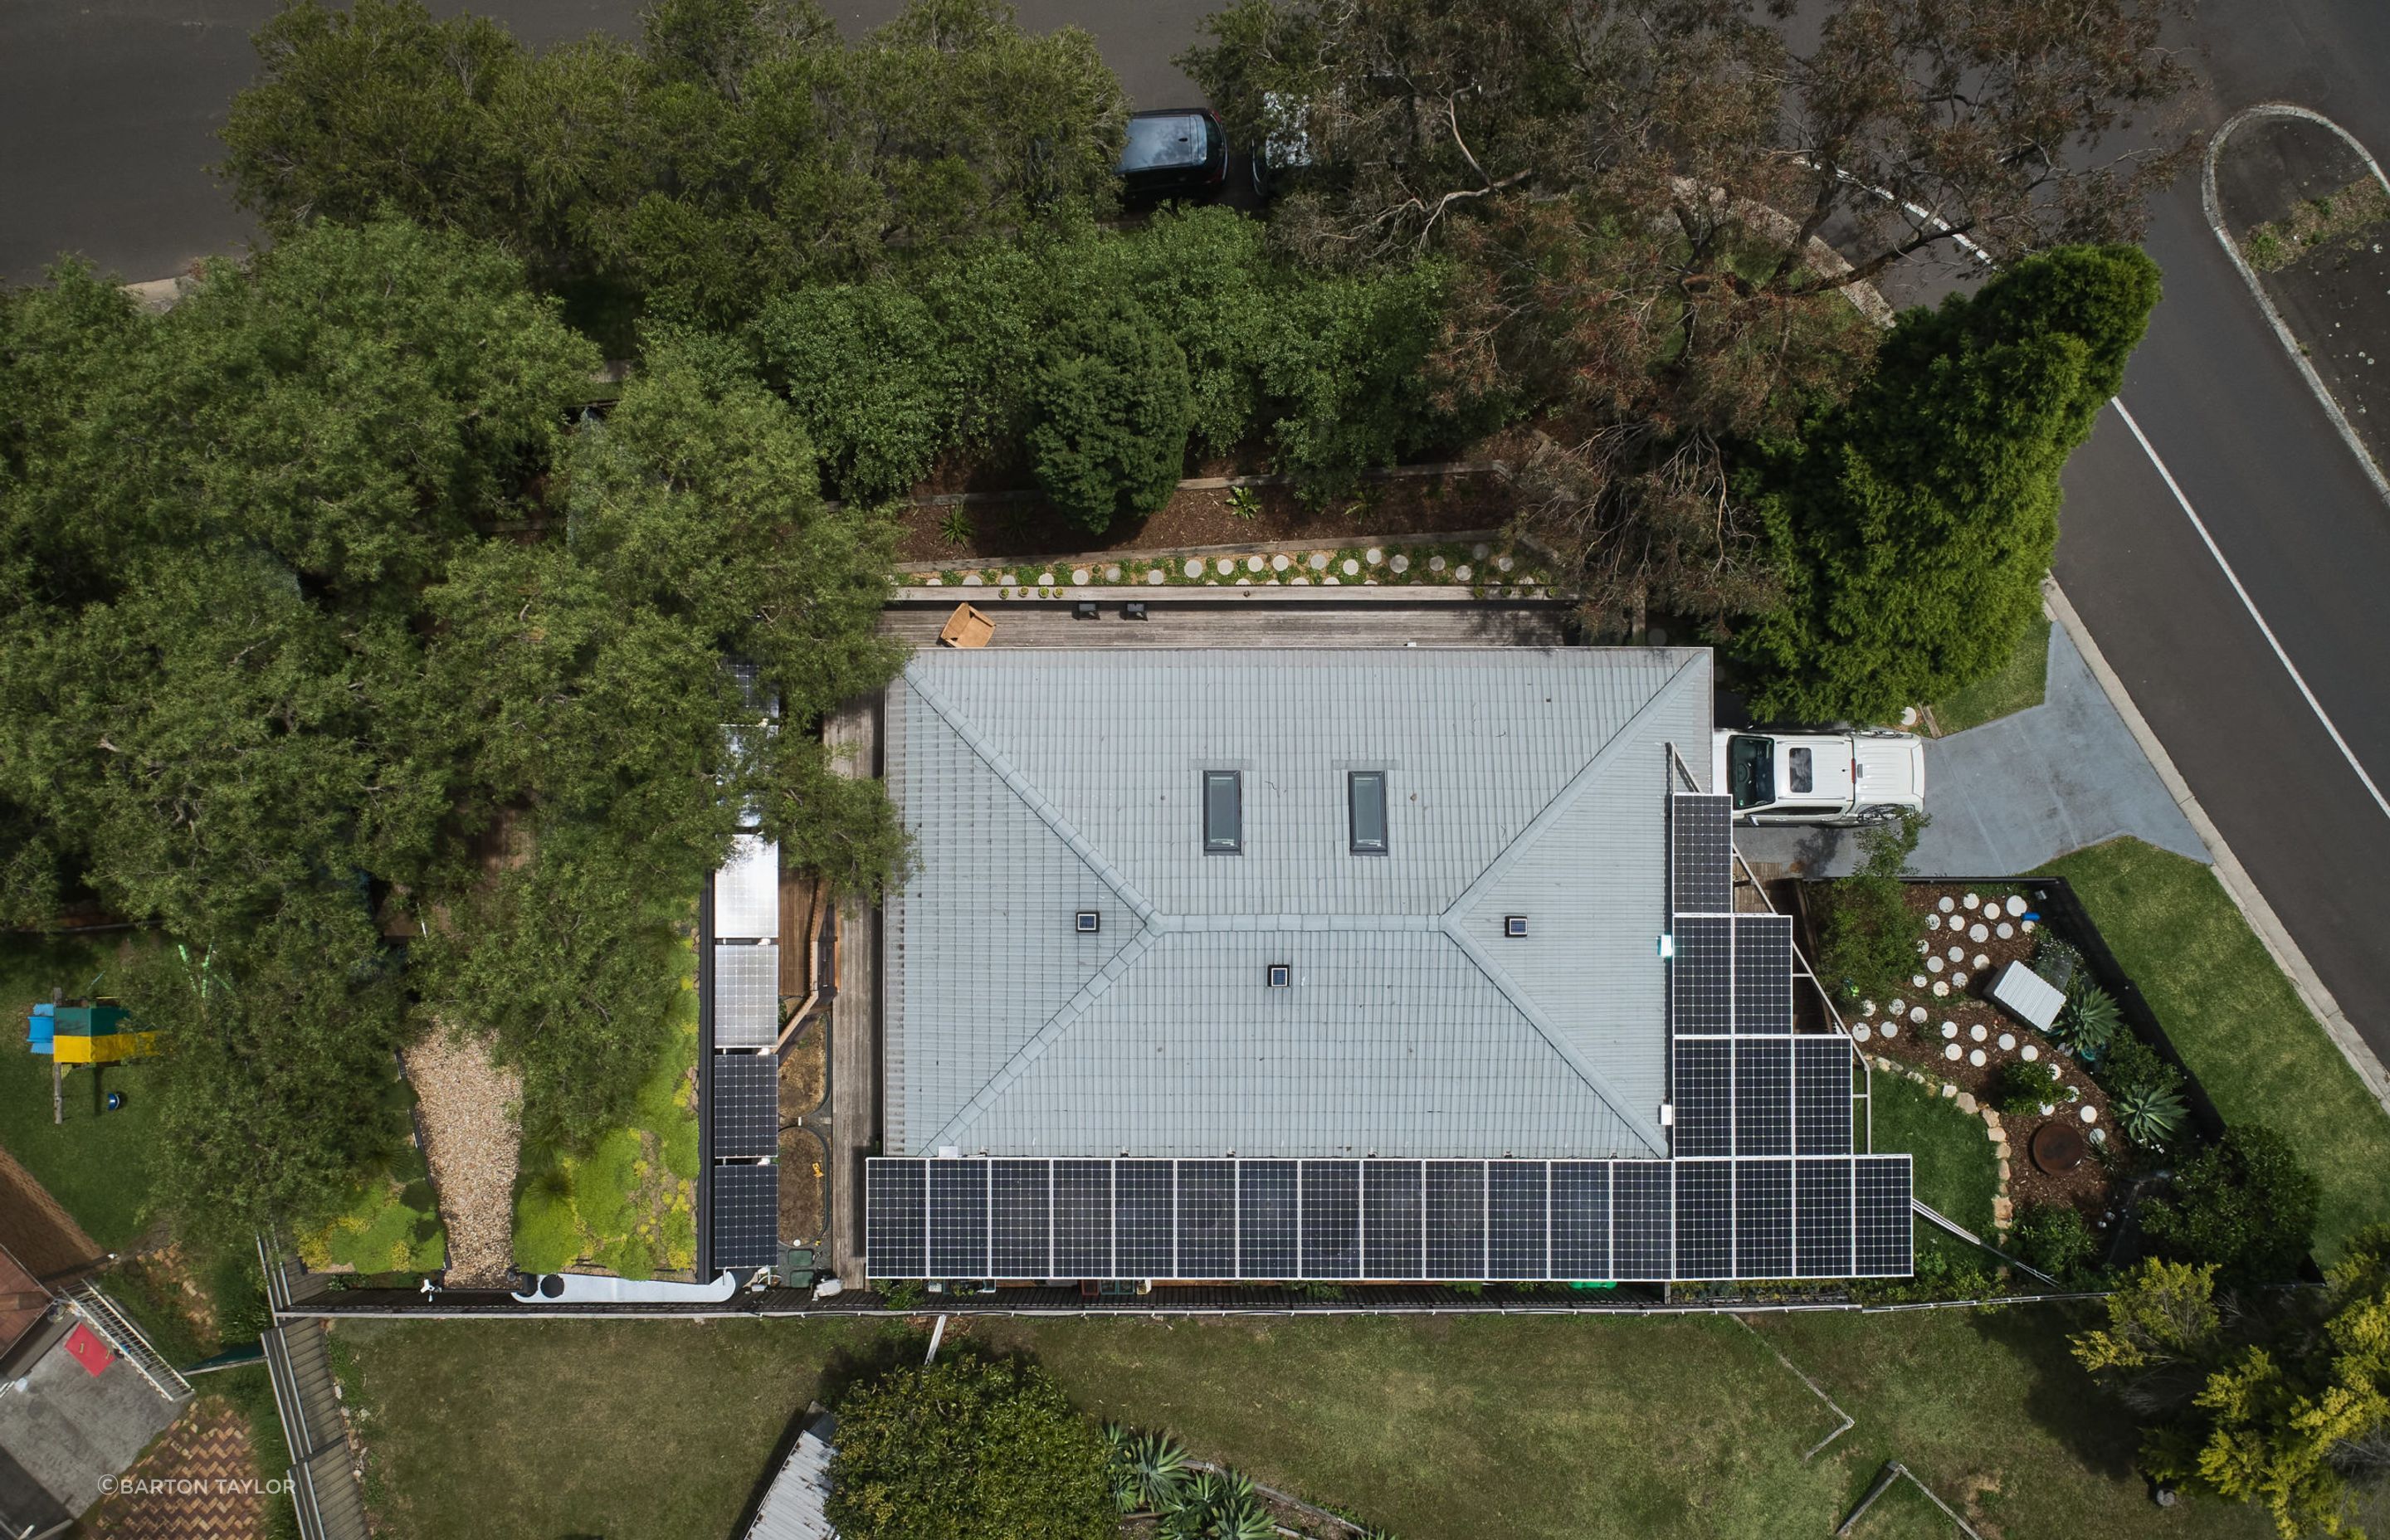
[2025, 926]
[2028, 1053]
[1890, 1030]
[1252, 564]
[1461, 573]
[1983, 961]
[1933, 922]
[1194, 566]
[1948, 903]
[1955, 954]
[1978, 1033]
[1866, 1007]
[1112, 573]
[1400, 564]
[1971, 900]
[1080, 576]
[1157, 576]
[1953, 1053]
[1934, 965]
[1280, 563]
[1007, 579]
[1862, 1031]
[1908, 716]
[1898, 1007]
[1503, 563]
[1373, 555]
[1917, 1016]
[2090, 1113]
[2016, 906]
[1949, 1029]
[2004, 930]
[1331, 578]
[934, 581]
[972, 580]
[1941, 990]
[1244, 583]
[1436, 564]
[1319, 562]
[1979, 932]
[1045, 580]
[1478, 551]
[1297, 581]
[1917, 980]
[1351, 568]
[1976, 1058]
[1959, 980]
[1227, 564]
[2007, 1042]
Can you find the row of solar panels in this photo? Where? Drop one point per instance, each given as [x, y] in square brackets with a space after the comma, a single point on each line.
[1388, 1221]
[743, 1103]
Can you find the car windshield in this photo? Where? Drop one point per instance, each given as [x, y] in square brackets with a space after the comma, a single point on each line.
[1750, 770]
[1156, 143]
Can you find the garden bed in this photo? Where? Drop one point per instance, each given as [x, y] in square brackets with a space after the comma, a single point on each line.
[805, 1158]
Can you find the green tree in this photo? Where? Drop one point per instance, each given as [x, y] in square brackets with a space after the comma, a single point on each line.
[1911, 527]
[1868, 935]
[2245, 1203]
[1112, 415]
[968, 1446]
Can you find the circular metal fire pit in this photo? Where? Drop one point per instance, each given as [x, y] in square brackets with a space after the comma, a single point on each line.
[2058, 1149]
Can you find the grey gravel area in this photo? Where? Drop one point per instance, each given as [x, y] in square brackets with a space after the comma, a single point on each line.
[470, 1107]
[2013, 794]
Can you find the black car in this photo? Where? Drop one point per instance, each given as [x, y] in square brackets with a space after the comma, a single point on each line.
[1176, 152]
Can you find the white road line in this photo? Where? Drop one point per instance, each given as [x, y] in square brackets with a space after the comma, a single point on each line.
[2251, 605]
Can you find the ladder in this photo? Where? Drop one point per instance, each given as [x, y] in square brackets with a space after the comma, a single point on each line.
[103, 1316]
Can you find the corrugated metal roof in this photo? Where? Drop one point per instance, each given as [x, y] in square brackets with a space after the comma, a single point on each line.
[1519, 780]
[794, 1507]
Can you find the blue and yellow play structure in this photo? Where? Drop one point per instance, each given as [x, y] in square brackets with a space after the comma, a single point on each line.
[90, 1033]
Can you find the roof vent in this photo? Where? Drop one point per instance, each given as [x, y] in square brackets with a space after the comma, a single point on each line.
[1514, 925]
[1281, 975]
[1090, 921]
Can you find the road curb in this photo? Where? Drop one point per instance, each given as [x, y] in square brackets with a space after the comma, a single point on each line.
[2238, 884]
[2212, 207]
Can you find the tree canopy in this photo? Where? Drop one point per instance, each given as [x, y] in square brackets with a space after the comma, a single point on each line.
[740, 148]
[1910, 527]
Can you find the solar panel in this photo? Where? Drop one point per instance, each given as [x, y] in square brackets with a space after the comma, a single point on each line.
[1642, 1219]
[746, 995]
[1704, 1096]
[745, 1105]
[747, 890]
[1700, 854]
[1763, 1219]
[1763, 973]
[958, 1219]
[1083, 1219]
[1700, 981]
[1821, 1219]
[1021, 1219]
[1331, 1219]
[1456, 1219]
[1266, 1220]
[1762, 1097]
[1885, 1231]
[1581, 1220]
[1517, 1199]
[746, 1218]
[1207, 1219]
[1705, 1219]
[1145, 1226]
[1821, 1095]
[895, 1216]
[1390, 1219]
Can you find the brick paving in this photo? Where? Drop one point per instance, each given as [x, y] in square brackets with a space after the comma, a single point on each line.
[212, 1489]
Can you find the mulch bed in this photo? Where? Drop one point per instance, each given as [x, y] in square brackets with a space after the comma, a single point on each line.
[1922, 1044]
[1406, 504]
[467, 1101]
[804, 1080]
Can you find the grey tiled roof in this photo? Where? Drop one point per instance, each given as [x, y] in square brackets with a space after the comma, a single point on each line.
[1520, 782]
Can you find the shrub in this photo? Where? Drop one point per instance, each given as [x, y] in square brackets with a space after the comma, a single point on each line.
[968, 1446]
[2024, 1087]
[2246, 1205]
[1868, 935]
[1112, 410]
[2055, 1239]
[2129, 1065]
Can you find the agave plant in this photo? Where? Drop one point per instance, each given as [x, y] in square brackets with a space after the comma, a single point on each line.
[1217, 1505]
[1148, 1469]
[2149, 1115]
[1244, 503]
[2089, 1020]
[956, 528]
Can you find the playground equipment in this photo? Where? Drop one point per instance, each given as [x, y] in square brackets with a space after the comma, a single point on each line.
[85, 1032]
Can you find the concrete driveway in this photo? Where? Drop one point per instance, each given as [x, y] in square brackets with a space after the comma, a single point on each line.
[2013, 794]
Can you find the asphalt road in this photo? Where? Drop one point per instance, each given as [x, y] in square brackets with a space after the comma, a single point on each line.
[107, 113]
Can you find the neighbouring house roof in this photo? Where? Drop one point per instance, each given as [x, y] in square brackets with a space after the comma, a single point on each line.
[1039, 783]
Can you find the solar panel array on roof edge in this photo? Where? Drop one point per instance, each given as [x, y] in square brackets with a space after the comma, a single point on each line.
[1763, 973]
[1700, 853]
[1700, 976]
[958, 1219]
[1456, 1219]
[746, 1104]
[1021, 1219]
[1393, 1223]
[1705, 1097]
[1821, 1095]
[746, 1215]
[1705, 1240]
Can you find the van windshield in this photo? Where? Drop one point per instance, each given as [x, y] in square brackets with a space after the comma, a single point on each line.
[1750, 770]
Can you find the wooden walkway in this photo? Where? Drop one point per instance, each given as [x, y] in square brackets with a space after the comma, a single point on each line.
[1237, 623]
[853, 736]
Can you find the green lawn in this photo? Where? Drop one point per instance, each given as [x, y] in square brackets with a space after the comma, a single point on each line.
[2018, 684]
[1451, 1427]
[2237, 1021]
[1958, 1173]
[96, 1163]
